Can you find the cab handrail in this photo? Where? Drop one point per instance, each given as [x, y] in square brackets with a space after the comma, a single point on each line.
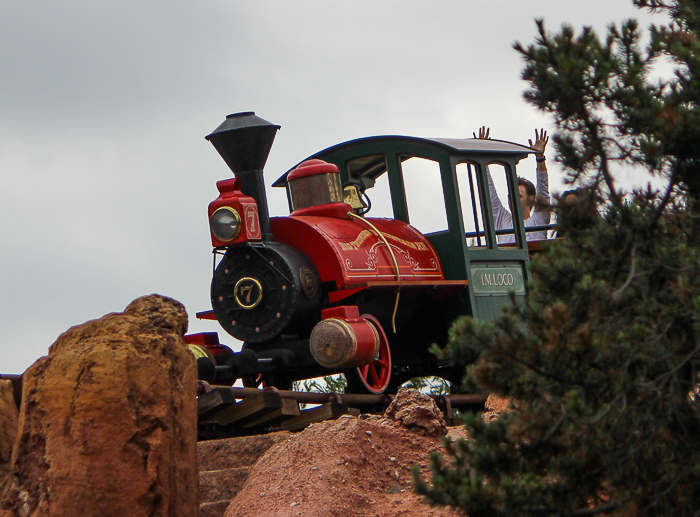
[507, 231]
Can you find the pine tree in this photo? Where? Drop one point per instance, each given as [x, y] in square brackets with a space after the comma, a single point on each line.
[601, 361]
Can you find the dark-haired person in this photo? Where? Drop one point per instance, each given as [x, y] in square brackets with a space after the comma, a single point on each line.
[528, 194]
[576, 209]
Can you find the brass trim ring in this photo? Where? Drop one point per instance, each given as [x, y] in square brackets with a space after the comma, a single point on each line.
[247, 305]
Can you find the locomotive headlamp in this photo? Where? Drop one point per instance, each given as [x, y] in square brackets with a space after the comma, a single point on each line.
[233, 216]
[225, 224]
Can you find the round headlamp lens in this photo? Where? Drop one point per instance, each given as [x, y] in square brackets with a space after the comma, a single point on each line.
[225, 224]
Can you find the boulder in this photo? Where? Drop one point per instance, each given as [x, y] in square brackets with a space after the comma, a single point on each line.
[108, 424]
[8, 426]
[416, 410]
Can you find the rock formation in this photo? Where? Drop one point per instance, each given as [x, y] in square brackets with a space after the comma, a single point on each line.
[108, 420]
[224, 466]
[416, 410]
[8, 425]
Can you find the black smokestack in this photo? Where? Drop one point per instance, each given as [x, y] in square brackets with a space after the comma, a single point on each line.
[244, 141]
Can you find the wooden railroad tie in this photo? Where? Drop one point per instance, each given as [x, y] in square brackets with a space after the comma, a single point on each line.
[266, 409]
[227, 411]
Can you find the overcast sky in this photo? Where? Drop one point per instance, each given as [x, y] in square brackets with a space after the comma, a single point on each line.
[105, 172]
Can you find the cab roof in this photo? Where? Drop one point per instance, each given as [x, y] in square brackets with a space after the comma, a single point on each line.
[375, 166]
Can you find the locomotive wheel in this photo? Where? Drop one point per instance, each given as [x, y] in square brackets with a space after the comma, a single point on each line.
[375, 376]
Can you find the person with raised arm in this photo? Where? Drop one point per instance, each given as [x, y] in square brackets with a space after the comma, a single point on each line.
[528, 194]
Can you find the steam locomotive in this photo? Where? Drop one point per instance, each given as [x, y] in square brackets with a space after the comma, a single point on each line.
[329, 289]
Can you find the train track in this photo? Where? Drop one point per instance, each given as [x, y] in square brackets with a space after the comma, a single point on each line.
[228, 411]
[225, 411]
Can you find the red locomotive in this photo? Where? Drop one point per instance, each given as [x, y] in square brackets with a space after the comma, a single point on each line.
[328, 289]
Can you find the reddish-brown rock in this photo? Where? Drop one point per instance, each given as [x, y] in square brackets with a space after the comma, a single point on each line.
[243, 451]
[8, 426]
[108, 420]
[416, 410]
[224, 466]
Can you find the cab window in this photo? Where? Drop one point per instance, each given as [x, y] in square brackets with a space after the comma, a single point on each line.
[424, 195]
[371, 169]
[472, 209]
[472, 205]
[502, 205]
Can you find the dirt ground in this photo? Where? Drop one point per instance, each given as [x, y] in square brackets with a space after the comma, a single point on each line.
[353, 467]
[350, 467]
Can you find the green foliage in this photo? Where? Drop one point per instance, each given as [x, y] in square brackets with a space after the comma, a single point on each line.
[601, 361]
[327, 384]
[607, 110]
[429, 385]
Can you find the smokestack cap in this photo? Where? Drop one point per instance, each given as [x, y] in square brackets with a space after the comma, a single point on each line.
[241, 120]
[244, 141]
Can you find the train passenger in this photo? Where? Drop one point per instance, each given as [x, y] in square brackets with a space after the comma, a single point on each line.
[531, 197]
[576, 209]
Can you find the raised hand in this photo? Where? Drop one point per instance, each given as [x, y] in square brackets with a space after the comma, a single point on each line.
[541, 140]
[483, 133]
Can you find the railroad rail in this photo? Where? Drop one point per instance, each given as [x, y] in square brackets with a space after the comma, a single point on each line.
[225, 411]
[229, 411]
